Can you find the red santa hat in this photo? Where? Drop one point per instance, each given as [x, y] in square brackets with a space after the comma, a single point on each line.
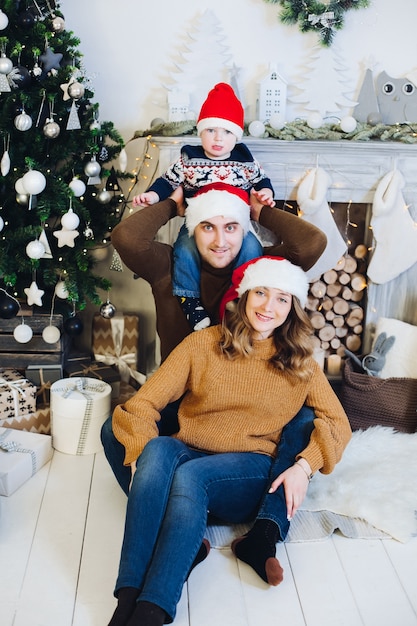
[222, 109]
[218, 199]
[267, 271]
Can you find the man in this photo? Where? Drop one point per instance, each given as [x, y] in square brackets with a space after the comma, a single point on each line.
[218, 240]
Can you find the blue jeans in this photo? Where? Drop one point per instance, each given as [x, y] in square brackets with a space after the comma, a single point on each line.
[295, 437]
[172, 491]
[186, 272]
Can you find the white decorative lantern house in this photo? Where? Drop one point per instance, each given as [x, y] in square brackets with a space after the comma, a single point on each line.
[272, 96]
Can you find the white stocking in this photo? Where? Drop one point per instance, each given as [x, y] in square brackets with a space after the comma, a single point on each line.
[311, 198]
[394, 231]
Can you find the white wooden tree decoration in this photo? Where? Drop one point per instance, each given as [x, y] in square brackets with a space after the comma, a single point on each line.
[204, 62]
[323, 83]
[272, 95]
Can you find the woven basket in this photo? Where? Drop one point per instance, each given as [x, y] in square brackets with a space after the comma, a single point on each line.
[372, 401]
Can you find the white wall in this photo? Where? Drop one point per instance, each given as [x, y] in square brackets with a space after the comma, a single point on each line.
[130, 49]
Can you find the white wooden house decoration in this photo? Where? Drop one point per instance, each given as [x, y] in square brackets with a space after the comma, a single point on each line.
[178, 106]
[272, 96]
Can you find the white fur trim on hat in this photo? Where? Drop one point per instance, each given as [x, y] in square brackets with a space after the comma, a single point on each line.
[275, 274]
[216, 203]
[218, 122]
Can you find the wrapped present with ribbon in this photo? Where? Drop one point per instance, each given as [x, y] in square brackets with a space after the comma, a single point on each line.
[43, 376]
[17, 394]
[115, 342]
[79, 407]
[37, 422]
[22, 454]
[93, 369]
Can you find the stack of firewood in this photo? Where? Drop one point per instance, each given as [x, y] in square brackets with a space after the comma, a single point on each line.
[336, 305]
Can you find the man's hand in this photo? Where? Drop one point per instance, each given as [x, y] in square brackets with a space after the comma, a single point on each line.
[295, 481]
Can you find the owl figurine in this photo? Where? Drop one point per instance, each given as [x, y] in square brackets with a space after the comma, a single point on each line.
[397, 99]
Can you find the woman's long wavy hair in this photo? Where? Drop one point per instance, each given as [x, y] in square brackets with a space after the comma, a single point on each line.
[293, 340]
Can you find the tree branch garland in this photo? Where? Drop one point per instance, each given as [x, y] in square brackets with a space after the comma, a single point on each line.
[299, 129]
[324, 18]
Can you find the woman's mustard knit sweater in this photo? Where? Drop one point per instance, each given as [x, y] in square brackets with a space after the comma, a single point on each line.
[232, 406]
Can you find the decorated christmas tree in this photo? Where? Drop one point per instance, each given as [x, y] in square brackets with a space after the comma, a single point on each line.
[59, 194]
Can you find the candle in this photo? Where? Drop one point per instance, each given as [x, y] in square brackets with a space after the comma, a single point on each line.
[334, 363]
[318, 356]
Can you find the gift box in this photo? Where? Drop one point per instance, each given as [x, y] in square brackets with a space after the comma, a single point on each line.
[115, 342]
[92, 369]
[22, 454]
[79, 407]
[37, 422]
[43, 376]
[17, 394]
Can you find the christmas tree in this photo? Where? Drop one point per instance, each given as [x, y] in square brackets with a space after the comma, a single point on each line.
[58, 200]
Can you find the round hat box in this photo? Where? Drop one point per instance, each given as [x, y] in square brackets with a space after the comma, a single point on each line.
[79, 408]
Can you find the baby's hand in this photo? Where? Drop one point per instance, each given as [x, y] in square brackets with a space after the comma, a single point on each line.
[145, 199]
[264, 197]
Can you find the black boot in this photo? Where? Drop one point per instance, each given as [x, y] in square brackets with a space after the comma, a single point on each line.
[126, 604]
[147, 614]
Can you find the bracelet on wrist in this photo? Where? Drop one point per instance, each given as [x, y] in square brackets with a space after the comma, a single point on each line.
[309, 476]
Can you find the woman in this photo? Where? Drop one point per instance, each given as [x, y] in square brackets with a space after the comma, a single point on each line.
[243, 381]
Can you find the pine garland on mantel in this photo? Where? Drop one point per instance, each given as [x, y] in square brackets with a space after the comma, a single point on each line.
[324, 18]
[299, 129]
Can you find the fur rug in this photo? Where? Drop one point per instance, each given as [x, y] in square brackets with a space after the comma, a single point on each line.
[375, 481]
[372, 493]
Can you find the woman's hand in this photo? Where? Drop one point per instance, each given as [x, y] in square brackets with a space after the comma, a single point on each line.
[295, 481]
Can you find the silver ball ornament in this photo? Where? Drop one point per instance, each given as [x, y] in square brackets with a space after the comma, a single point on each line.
[51, 130]
[256, 128]
[76, 90]
[107, 310]
[23, 122]
[4, 20]
[92, 168]
[374, 118]
[6, 65]
[58, 24]
[104, 196]
[157, 121]
[88, 233]
[22, 199]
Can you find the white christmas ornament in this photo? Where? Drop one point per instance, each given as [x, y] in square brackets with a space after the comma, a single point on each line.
[70, 220]
[394, 231]
[51, 334]
[23, 333]
[5, 163]
[19, 187]
[35, 249]
[311, 198]
[348, 124]
[34, 294]
[314, 120]
[123, 160]
[34, 182]
[256, 128]
[277, 121]
[77, 187]
[66, 237]
[4, 20]
[1, 224]
[61, 290]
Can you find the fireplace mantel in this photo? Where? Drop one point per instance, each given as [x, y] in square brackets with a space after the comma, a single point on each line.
[355, 167]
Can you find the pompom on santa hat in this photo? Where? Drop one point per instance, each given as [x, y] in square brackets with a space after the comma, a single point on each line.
[218, 199]
[273, 272]
[222, 109]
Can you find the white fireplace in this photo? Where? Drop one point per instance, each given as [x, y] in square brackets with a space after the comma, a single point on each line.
[355, 169]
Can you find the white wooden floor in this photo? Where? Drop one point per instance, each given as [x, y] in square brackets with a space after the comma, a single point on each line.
[60, 537]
